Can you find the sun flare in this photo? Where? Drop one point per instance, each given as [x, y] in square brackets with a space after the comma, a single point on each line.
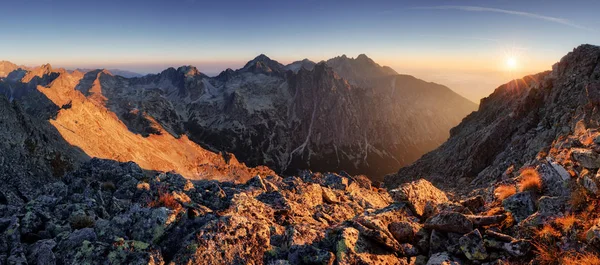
[511, 63]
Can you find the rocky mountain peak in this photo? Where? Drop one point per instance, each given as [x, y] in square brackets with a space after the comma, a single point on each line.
[263, 64]
[363, 57]
[360, 70]
[6, 68]
[189, 71]
[297, 65]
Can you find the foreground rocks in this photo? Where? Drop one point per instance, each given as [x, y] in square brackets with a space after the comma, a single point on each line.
[113, 213]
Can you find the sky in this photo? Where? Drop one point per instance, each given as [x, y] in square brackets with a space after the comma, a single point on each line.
[465, 45]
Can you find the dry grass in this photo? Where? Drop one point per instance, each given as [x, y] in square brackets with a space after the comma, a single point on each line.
[566, 223]
[587, 140]
[494, 211]
[580, 259]
[508, 222]
[165, 200]
[547, 255]
[504, 191]
[530, 180]
[547, 233]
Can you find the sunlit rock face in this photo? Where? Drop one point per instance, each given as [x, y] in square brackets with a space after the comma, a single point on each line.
[76, 105]
[519, 121]
[300, 116]
[6, 68]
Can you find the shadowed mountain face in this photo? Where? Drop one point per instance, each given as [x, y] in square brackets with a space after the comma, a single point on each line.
[123, 73]
[300, 116]
[520, 120]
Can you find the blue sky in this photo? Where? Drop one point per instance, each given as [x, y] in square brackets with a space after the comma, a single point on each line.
[425, 38]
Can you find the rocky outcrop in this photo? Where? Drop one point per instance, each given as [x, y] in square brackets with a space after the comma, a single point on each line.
[519, 121]
[108, 212]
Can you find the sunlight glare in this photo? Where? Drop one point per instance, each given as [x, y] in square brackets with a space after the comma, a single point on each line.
[511, 63]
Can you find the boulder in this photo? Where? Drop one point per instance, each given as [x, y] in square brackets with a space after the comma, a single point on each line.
[404, 231]
[586, 157]
[555, 178]
[41, 252]
[521, 205]
[472, 246]
[592, 235]
[421, 196]
[443, 258]
[450, 222]
[590, 183]
[329, 196]
[515, 248]
[474, 203]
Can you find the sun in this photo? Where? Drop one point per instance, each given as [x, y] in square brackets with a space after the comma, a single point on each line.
[511, 63]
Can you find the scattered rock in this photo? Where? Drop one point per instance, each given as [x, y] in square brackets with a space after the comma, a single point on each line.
[421, 195]
[586, 157]
[474, 203]
[472, 246]
[443, 258]
[450, 222]
[520, 205]
[404, 231]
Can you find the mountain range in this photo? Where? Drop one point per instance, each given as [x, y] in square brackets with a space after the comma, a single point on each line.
[344, 114]
[83, 159]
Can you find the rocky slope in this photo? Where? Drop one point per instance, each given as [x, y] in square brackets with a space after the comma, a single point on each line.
[75, 106]
[108, 212]
[522, 119]
[293, 117]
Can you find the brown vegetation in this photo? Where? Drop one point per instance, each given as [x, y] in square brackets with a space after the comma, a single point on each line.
[566, 223]
[530, 180]
[504, 191]
[581, 259]
[547, 233]
[165, 199]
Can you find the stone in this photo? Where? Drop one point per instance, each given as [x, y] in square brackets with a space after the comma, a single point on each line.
[521, 205]
[404, 231]
[472, 246]
[592, 235]
[329, 196]
[41, 252]
[486, 220]
[515, 248]
[256, 182]
[555, 183]
[450, 222]
[474, 203]
[420, 195]
[552, 206]
[590, 184]
[586, 157]
[442, 258]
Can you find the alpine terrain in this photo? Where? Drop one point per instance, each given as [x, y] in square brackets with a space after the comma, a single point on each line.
[517, 182]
